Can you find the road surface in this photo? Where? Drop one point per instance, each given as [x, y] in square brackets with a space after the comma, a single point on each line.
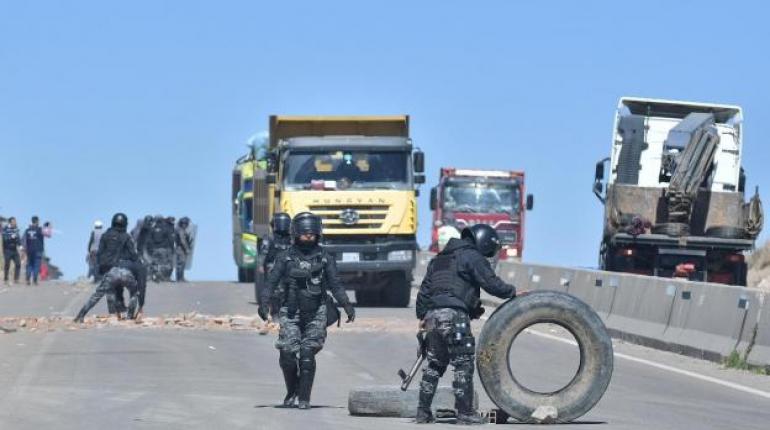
[127, 376]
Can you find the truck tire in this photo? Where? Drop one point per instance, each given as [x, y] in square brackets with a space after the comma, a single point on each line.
[368, 296]
[596, 356]
[673, 229]
[241, 274]
[726, 232]
[387, 401]
[249, 275]
[398, 292]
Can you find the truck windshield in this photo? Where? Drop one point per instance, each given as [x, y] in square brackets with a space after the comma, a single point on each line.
[247, 214]
[347, 169]
[482, 198]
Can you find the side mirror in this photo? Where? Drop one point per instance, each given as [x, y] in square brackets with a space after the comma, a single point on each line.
[272, 163]
[598, 180]
[599, 174]
[270, 179]
[433, 199]
[419, 161]
[530, 202]
[419, 179]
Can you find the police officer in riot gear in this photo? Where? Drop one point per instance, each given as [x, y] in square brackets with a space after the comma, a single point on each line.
[449, 298]
[279, 243]
[299, 281]
[184, 246]
[120, 267]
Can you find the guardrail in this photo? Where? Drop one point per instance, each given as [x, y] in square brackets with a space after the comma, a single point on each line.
[698, 319]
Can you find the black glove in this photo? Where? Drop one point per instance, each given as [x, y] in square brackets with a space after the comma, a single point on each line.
[350, 311]
[263, 311]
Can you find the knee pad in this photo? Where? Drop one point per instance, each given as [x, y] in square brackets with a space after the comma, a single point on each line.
[307, 359]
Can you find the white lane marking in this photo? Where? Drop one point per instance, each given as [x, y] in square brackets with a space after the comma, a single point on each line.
[661, 366]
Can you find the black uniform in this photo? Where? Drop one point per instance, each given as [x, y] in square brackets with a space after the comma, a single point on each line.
[119, 264]
[11, 243]
[275, 248]
[184, 246]
[299, 282]
[448, 299]
[160, 247]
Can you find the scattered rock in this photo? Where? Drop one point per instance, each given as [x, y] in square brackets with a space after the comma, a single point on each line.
[545, 414]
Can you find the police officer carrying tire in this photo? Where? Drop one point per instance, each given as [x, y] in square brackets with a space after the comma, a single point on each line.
[300, 281]
[449, 298]
[120, 267]
[279, 243]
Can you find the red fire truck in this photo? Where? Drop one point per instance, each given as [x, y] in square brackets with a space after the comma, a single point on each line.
[465, 197]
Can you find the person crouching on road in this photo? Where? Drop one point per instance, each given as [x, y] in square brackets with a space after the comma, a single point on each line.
[120, 267]
[449, 298]
[307, 272]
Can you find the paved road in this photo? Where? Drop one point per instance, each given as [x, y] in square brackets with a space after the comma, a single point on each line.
[118, 377]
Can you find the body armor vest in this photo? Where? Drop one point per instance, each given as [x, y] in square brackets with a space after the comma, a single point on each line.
[448, 288]
[304, 288]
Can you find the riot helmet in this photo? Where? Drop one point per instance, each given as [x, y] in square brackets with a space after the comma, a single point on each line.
[120, 221]
[484, 238]
[306, 223]
[184, 222]
[281, 224]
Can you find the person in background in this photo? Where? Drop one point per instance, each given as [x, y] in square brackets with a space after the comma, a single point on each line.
[184, 245]
[11, 244]
[34, 246]
[93, 246]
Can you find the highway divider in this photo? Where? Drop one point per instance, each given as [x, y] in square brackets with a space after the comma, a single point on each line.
[703, 320]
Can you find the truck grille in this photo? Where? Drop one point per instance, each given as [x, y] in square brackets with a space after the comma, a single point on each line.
[507, 237]
[369, 217]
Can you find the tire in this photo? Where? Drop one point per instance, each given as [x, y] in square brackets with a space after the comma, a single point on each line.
[368, 296]
[596, 356]
[674, 229]
[241, 275]
[398, 292]
[386, 401]
[249, 275]
[726, 232]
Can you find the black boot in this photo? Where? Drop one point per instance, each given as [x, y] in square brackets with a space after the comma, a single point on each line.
[306, 377]
[428, 386]
[288, 362]
[463, 387]
[81, 316]
[424, 416]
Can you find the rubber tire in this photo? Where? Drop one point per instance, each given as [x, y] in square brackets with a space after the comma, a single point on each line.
[509, 319]
[398, 292]
[727, 232]
[369, 296]
[249, 275]
[673, 229]
[390, 401]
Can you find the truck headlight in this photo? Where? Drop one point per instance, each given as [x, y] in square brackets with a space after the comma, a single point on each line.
[400, 255]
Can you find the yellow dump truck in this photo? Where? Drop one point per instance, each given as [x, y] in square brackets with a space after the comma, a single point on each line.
[245, 241]
[360, 174]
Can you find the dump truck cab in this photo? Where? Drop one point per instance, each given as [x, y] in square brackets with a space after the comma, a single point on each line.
[465, 197]
[360, 175]
[245, 241]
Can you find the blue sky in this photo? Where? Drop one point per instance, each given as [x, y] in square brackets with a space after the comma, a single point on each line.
[143, 106]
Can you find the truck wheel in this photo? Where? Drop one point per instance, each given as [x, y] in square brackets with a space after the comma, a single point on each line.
[596, 356]
[726, 232]
[674, 229]
[367, 297]
[241, 274]
[398, 291]
[248, 275]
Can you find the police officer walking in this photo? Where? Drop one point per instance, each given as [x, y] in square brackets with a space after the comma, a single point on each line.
[184, 246]
[299, 281]
[120, 267]
[279, 243]
[449, 298]
[11, 243]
